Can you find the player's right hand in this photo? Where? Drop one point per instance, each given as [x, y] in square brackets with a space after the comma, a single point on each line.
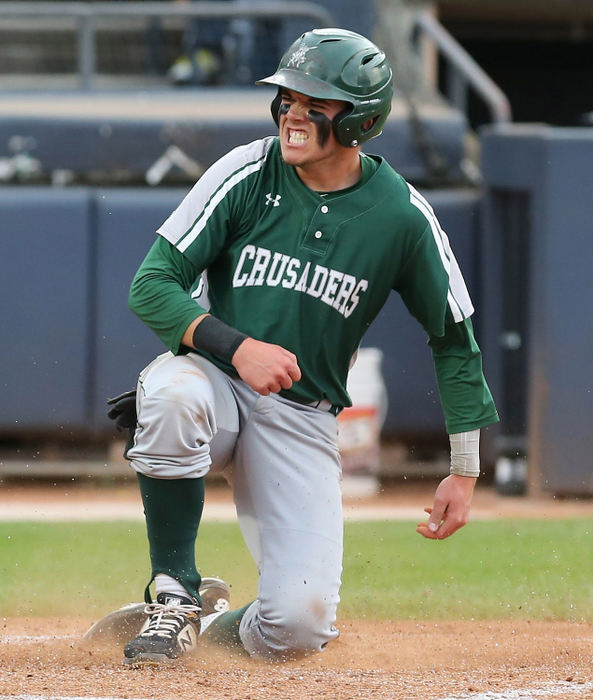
[266, 368]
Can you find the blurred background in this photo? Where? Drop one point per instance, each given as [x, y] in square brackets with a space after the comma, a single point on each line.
[109, 112]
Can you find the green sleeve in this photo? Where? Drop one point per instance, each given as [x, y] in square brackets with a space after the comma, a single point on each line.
[423, 284]
[160, 293]
[465, 396]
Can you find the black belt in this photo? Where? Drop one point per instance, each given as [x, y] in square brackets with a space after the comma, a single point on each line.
[325, 405]
[321, 404]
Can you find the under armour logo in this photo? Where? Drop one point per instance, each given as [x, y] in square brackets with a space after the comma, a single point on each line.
[273, 199]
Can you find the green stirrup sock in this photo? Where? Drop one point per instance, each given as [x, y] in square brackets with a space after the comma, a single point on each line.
[225, 629]
[173, 509]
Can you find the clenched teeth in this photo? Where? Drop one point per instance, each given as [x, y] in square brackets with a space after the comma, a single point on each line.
[297, 137]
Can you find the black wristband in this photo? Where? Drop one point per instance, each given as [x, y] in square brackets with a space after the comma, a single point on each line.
[215, 337]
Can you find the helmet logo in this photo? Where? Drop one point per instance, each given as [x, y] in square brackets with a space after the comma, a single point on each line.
[298, 57]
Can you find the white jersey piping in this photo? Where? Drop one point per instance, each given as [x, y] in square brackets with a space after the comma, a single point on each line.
[183, 226]
[457, 296]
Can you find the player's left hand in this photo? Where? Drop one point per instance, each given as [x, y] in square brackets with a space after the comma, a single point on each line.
[450, 509]
[123, 410]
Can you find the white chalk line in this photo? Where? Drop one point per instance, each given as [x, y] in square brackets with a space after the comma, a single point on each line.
[525, 694]
[34, 639]
[549, 691]
[65, 697]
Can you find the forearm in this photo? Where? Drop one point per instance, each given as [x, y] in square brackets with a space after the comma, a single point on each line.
[188, 336]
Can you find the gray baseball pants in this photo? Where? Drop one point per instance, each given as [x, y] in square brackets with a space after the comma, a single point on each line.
[282, 461]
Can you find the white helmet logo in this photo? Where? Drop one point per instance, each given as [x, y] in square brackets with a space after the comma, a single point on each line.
[298, 57]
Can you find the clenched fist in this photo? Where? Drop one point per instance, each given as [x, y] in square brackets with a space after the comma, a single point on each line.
[266, 368]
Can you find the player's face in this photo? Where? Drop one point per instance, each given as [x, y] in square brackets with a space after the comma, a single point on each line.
[306, 134]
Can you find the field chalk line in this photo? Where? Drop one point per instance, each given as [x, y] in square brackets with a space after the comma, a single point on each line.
[65, 697]
[33, 639]
[550, 691]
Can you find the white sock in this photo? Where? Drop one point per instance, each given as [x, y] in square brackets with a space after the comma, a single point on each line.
[167, 584]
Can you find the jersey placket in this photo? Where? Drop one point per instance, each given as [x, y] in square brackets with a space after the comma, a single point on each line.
[321, 229]
[320, 232]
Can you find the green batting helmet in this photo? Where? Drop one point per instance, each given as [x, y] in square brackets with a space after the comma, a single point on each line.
[335, 64]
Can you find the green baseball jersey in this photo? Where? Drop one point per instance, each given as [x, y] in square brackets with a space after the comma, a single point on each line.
[310, 271]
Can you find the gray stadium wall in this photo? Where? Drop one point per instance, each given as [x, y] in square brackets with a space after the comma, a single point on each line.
[537, 299]
[119, 151]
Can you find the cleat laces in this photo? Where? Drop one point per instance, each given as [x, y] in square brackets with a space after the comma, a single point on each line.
[166, 620]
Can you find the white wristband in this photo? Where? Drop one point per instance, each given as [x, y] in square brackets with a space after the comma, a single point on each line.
[465, 453]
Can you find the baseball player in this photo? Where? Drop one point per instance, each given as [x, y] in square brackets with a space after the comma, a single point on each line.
[299, 238]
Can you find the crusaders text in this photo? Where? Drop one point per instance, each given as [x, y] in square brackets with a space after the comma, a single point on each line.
[259, 267]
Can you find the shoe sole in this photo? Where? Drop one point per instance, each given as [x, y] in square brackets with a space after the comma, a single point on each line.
[119, 626]
[149, 660]
[211, 582]
[212, 591]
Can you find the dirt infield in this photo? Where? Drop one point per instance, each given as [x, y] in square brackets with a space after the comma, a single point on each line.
[46, 658]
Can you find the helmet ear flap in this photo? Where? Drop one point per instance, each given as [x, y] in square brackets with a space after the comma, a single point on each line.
[275, 107]
[341, 134]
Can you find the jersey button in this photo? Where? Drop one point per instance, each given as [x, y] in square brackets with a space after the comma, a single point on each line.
[318, 234]
[324, 209]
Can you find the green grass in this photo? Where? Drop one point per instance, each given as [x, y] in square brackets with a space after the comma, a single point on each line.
[499, 569]
[489, 570]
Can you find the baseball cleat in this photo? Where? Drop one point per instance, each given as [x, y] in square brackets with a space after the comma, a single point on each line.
[171, 629]
[122, 625]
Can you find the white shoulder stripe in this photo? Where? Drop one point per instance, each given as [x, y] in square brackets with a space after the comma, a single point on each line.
[420, 203]
[187, 221]
[222, 192]
[458, 297]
